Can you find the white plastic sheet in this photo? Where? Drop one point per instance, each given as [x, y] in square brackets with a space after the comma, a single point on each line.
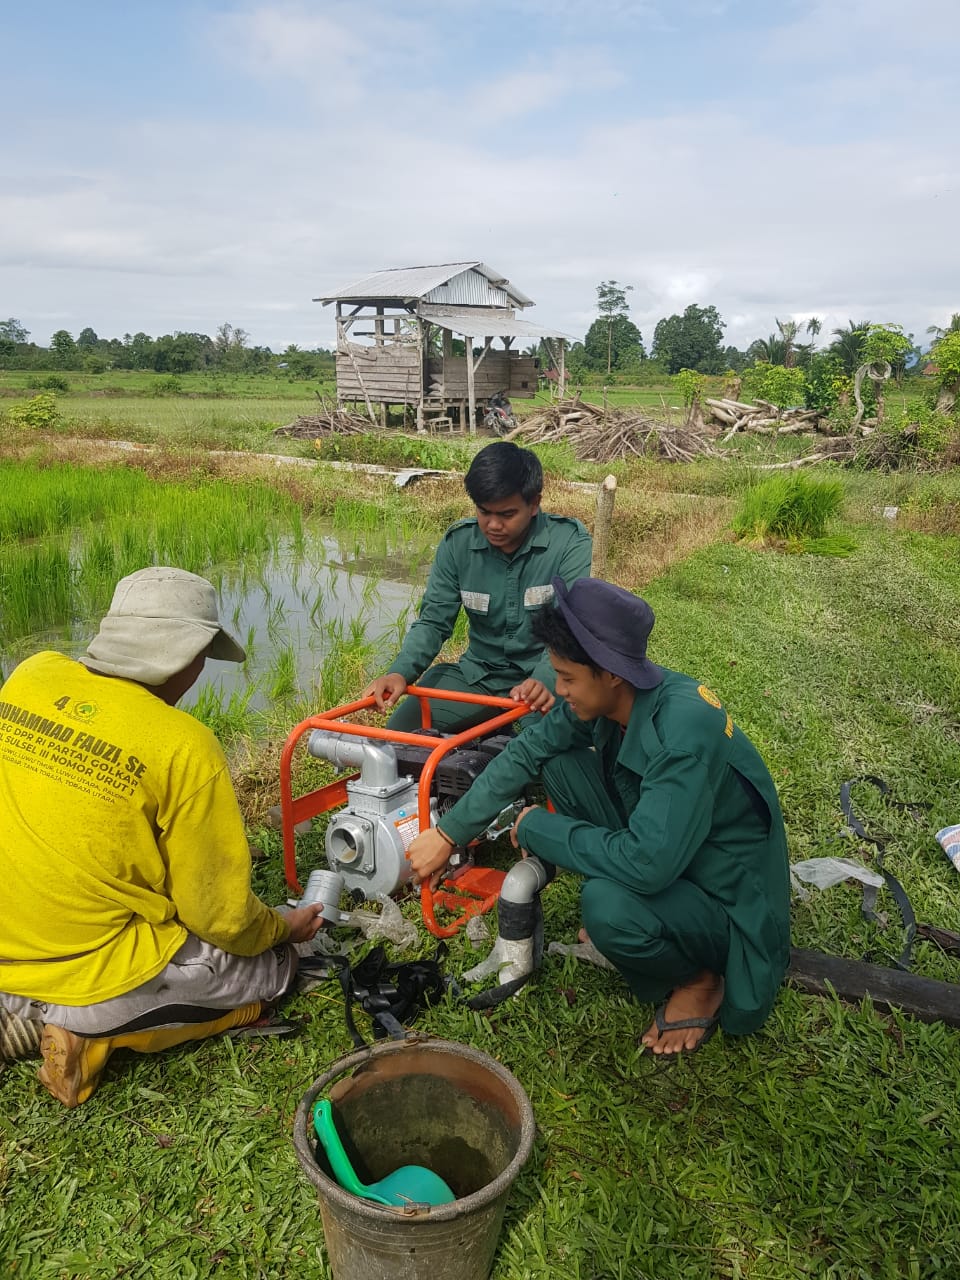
[823, 873]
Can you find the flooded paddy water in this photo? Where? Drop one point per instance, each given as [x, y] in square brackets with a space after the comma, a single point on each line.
[316, 602]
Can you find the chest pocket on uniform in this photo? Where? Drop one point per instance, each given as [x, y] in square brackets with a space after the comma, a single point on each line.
[534, 597]
[475, 601]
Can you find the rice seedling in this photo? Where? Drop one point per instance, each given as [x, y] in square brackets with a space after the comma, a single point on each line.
[36, 586]
[280, 681]
[231, 717]
[98, 526]
[789, 509]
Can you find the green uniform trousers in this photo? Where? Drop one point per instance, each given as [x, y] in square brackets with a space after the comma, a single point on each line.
[657, 941]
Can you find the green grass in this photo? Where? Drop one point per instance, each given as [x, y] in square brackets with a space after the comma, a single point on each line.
[823, 1146]
[125, 382]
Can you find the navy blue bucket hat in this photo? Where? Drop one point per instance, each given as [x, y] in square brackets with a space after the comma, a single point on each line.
[612, 627]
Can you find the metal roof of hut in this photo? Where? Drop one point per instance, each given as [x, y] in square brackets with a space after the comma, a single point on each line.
[452, 283]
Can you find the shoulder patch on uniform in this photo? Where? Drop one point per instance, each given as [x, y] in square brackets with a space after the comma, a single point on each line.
[708, 696]
[460, 524]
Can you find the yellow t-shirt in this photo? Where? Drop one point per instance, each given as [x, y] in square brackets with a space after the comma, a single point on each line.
[119, 832]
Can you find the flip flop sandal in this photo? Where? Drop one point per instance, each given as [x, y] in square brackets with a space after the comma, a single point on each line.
[709, 1026]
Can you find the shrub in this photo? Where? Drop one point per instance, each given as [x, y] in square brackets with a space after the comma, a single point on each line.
[54, 382]
[775, 383]
[791, 508]
[921, 438]
[167, 385]
[38, 412]
[689, 384]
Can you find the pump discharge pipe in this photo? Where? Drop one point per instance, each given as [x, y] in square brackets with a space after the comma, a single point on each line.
[513, 956]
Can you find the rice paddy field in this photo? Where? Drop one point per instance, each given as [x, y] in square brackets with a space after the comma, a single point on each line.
[822, 1146]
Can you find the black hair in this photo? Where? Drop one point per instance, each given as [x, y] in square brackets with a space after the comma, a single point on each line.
[502, 469]
[551, 628]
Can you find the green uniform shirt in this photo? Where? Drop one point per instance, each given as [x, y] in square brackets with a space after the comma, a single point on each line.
[676, 775]
[500, 594]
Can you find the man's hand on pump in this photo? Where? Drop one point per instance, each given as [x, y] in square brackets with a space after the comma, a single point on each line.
[535, 693]
[386, 689]
[429, 854]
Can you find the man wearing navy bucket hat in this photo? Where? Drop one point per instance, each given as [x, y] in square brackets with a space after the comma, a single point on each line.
[664, 806]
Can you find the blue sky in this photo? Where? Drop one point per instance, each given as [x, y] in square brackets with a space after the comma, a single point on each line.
[180, 165]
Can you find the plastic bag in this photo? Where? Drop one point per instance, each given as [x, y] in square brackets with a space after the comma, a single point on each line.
[388, 924]
[582, 950]
[477, 931]
[824, 873]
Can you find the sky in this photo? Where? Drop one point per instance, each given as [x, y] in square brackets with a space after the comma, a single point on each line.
[182, 165]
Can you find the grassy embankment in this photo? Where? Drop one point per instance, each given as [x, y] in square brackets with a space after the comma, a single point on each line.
[823, 1146]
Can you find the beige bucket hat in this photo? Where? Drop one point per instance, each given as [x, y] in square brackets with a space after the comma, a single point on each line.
[159, 620]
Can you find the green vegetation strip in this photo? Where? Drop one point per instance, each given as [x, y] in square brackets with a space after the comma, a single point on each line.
[824, 1146]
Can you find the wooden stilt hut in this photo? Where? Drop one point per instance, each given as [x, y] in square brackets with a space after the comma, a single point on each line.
[398, 334]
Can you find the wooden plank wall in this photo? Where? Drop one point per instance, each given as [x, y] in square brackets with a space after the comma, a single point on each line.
[497, 371]
[390, 373]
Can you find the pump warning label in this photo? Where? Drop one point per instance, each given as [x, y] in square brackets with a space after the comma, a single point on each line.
[408, 828]
[67, 755]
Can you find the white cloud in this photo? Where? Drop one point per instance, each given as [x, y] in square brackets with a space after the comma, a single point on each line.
[763, 206]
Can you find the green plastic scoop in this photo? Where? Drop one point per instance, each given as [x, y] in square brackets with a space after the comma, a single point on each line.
[411, 1183]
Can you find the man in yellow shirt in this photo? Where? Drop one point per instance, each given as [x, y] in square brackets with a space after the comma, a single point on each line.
[128, 917]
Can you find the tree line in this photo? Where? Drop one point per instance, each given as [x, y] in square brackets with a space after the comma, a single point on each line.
[229, 351]
[693, 340]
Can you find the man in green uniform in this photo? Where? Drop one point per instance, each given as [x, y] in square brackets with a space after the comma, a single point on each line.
[498, 567]
[663, 805]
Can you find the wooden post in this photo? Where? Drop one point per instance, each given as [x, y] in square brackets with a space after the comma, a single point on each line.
[421, 429]
[471, 389]
[447, 361]
[339, 345]
[606, 495]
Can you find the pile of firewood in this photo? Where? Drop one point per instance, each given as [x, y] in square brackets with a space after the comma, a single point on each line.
[599, 435]
[763, 418]
[327, 422]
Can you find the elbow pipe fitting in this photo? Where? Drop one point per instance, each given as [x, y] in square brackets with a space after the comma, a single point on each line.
[377, 763]
[516, 911]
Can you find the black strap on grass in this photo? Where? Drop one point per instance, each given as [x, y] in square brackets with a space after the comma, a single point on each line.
[391, 994]
[944, 938]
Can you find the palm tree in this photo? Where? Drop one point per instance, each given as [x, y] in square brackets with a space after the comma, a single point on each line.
[848, 345]
[814, 325]
[788, 330]
[952, 327]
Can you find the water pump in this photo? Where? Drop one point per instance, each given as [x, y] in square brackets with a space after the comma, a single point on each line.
[406, 782]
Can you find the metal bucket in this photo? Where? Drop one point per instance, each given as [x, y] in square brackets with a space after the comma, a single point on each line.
[419, 1101]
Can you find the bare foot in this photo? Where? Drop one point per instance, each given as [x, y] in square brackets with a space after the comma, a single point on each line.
[583, 936]
[700, 998]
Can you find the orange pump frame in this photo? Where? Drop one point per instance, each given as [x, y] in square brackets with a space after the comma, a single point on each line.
[474, 890]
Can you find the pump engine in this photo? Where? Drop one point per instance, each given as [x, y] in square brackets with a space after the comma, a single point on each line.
[367, 840]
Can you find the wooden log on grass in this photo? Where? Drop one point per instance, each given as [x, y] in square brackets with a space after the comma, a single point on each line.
[854, 980]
